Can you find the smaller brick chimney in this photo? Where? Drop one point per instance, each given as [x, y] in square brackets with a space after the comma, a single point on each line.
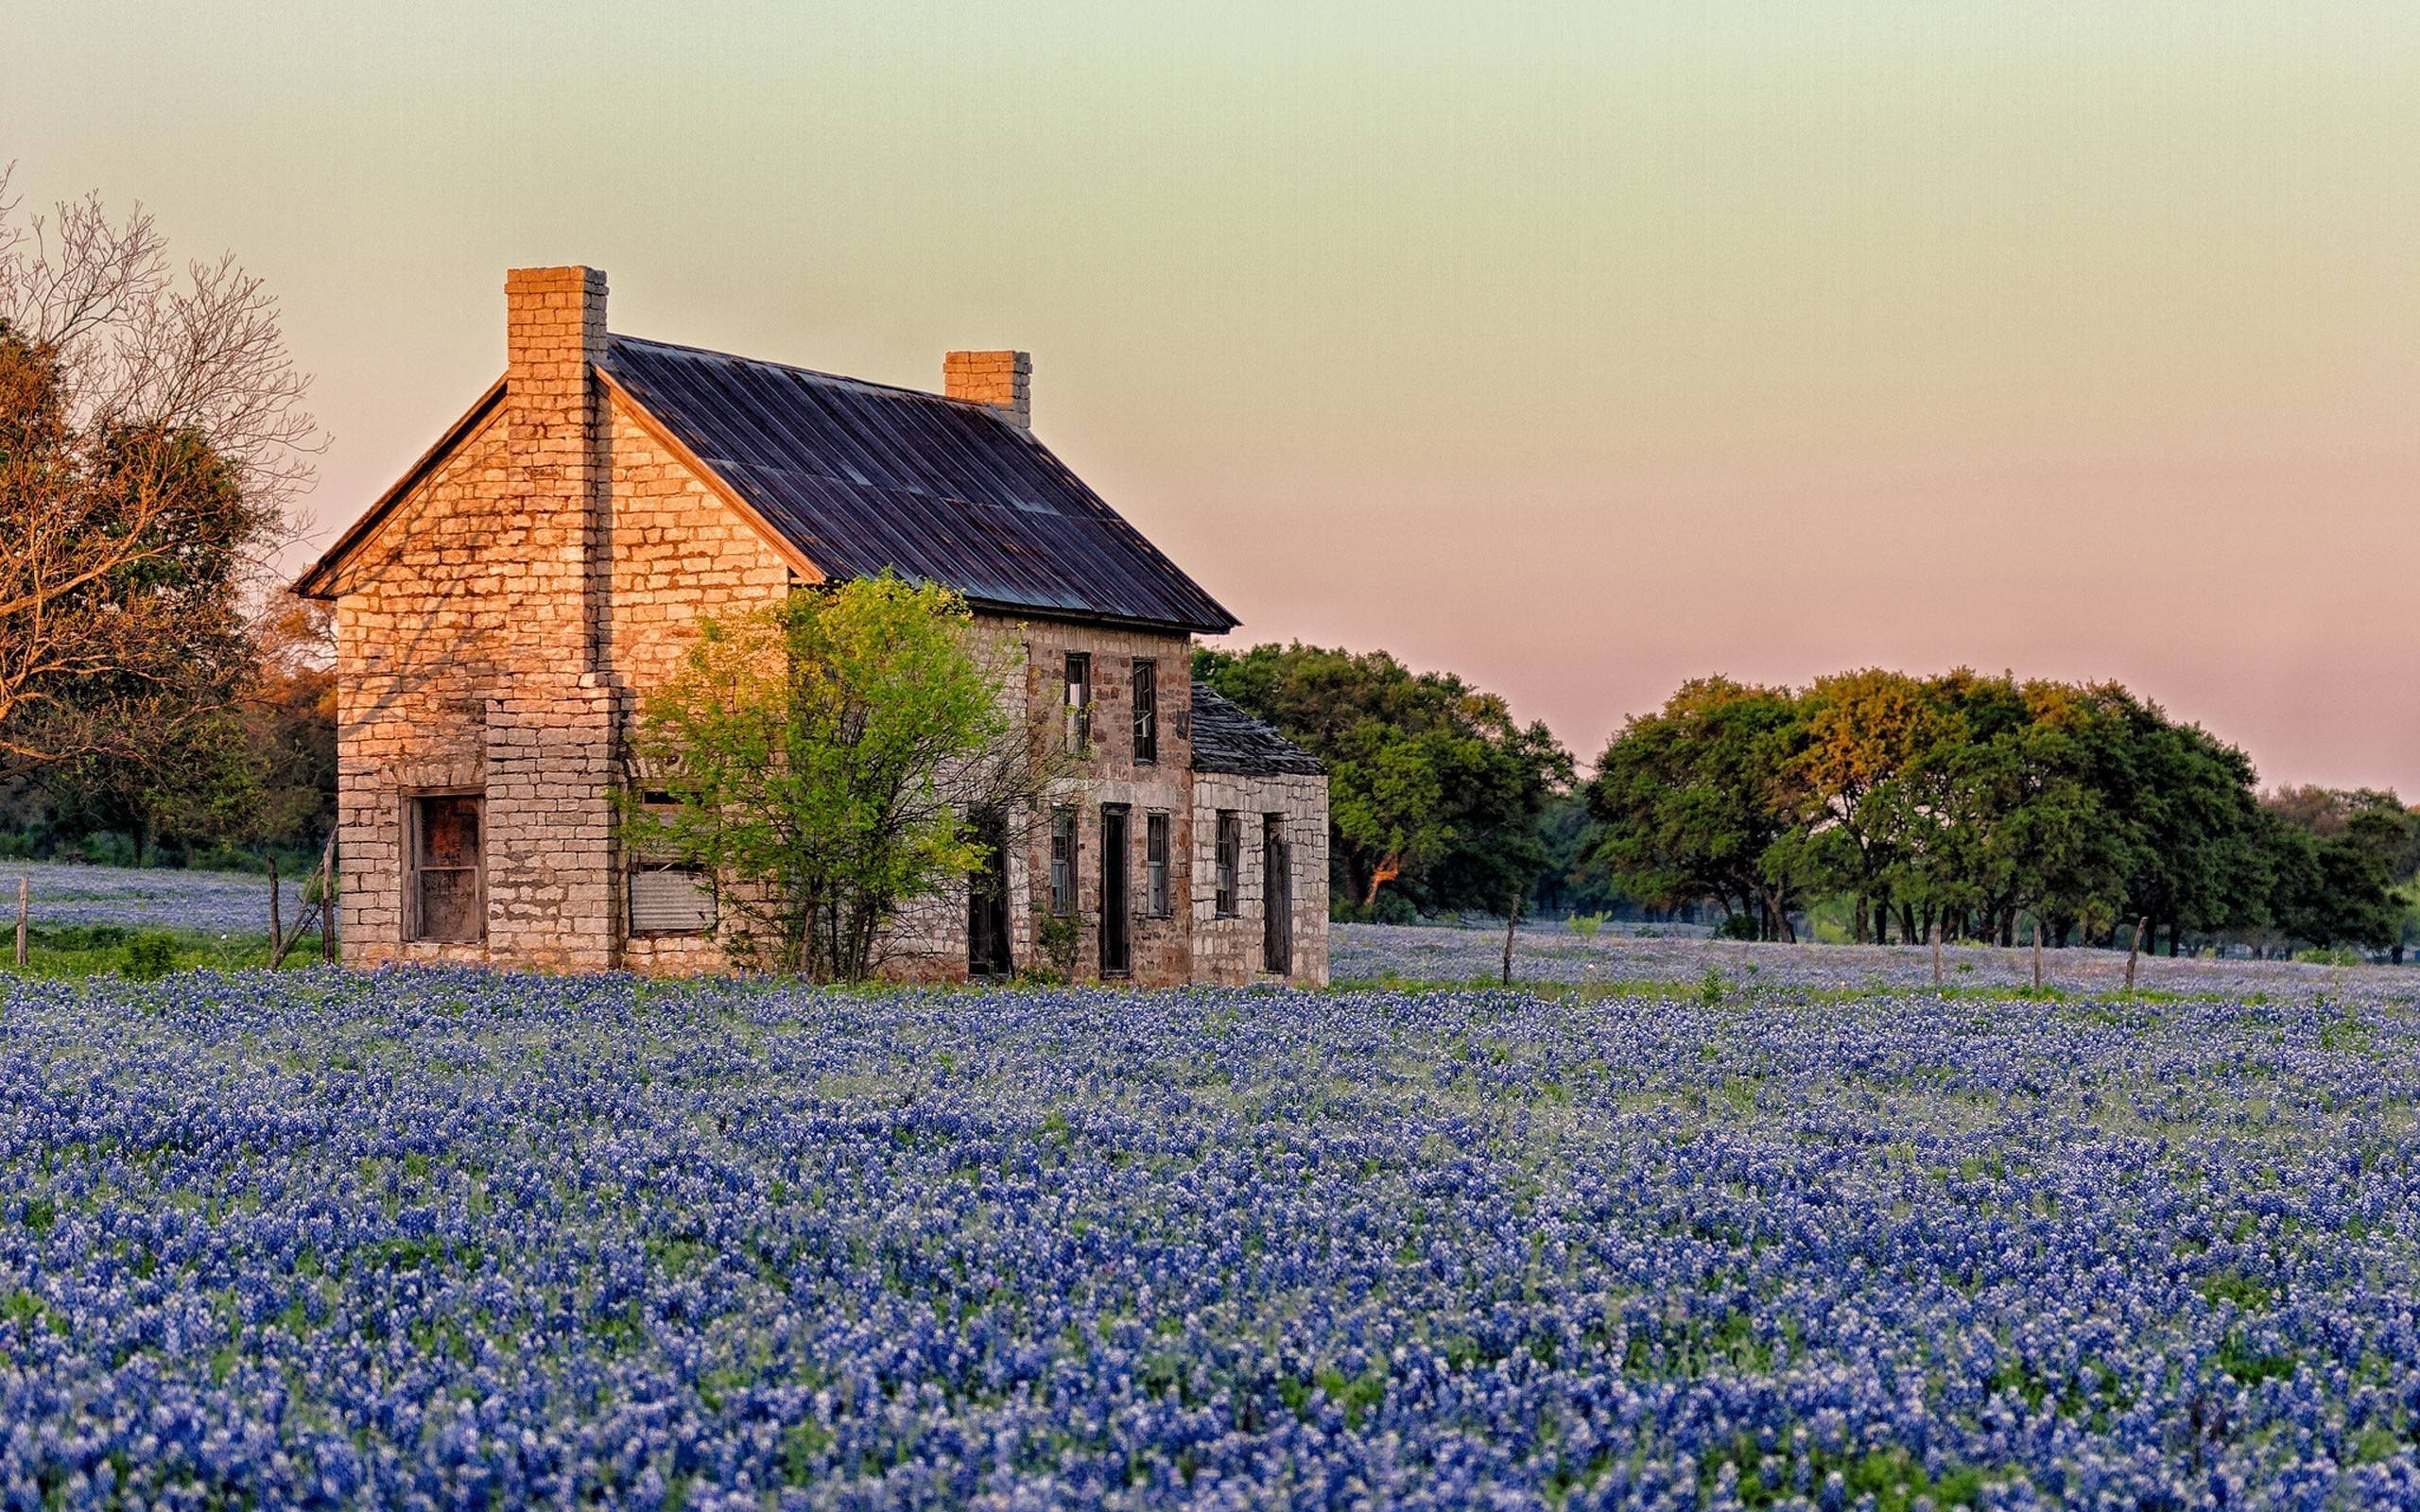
[1003, 380]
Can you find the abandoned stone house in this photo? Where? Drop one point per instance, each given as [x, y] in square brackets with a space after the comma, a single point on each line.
[502, 607]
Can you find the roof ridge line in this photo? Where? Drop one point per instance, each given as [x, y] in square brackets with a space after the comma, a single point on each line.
[801, 371]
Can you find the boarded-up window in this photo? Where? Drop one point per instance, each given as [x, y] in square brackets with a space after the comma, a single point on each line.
[1080, 702]
[446, 883]
[668, 896]
[1062, 861]
[1231, 859]
[1155, 865]
[670, 900]
[1146, 710]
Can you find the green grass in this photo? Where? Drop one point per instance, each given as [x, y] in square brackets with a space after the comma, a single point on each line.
[74, 952]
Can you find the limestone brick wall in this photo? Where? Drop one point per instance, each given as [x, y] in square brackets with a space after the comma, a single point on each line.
[1162, 947]
[1231, 949]
[677, 554]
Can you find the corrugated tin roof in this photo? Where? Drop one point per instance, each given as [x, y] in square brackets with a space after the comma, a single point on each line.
[860, 477]
[1226, 739]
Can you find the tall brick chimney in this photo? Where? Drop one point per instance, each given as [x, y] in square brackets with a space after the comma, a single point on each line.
[1003, 380]
[554, 333]
[551, 874]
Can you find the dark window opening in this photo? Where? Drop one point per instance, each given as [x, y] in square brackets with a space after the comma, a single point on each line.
[1116, 902]
[1062, 861]
[1146, 710]
[447, 884]
[1155, 866]
[1080, 702]
[1230, 860]
[1277, 896]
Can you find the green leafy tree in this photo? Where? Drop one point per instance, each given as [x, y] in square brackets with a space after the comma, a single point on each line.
[2335, 858]
[1435, 792]
[1865, 733]
[822, 758]
[1695, 800]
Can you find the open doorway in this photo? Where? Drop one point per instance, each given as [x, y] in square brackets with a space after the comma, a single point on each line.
[1116, 929]
[987, 952]
[1277, 896]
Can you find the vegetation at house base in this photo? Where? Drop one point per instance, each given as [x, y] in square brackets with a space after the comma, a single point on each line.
[1986, 808]
[454, 1237]
[820, 759]
[1435, 792]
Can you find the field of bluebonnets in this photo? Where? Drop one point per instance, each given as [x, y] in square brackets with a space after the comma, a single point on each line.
[1739, 1226]
[149, 897]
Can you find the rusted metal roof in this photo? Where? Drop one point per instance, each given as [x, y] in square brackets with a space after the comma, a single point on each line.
[860, 477]
[1226, 739]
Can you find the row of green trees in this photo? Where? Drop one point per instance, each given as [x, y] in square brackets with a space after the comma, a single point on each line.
[1987, 807]
[1977, 803]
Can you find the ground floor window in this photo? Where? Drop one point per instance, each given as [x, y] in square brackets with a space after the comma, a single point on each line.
[447, 886]
[668, 896]
[1230, 860]
[1155, 866]
[1062, 861]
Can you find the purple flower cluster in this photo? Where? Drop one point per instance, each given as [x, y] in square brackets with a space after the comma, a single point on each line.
[1544, 953]
[215, 902]
[446, 1238]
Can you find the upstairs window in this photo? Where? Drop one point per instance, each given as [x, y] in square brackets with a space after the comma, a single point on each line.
[1231, 859]
[1146, 710]
[1080, 702]
[1155, 866]
[447, 884]
[667, 897]
[1062, 861]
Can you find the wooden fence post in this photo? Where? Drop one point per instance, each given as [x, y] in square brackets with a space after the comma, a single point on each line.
[324, 879]
[2134, 951]
[1936, 955]
[2037, 953]
[276, 925]
[328, 900]
[25, 909]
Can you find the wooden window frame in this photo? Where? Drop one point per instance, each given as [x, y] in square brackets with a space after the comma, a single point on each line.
[1066, 829]
[1159, 898]
[1080, 703]
[1146, 711]
[639, 863]
[415, 925]
[1228, 863]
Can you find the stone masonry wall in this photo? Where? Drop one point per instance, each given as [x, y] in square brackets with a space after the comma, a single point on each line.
[1162, 948]
[1229, 950]
[420, 643]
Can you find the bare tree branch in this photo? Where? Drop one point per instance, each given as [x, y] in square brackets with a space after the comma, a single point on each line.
[153, 440]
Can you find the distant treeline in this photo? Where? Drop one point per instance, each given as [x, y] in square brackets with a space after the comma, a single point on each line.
[1984, 806]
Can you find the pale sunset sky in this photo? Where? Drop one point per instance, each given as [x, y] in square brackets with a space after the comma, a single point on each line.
[1577, 348]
